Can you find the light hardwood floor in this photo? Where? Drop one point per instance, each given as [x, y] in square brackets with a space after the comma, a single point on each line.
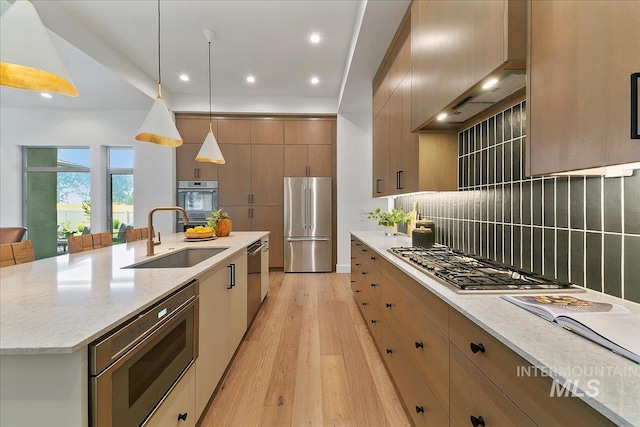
[307, 360]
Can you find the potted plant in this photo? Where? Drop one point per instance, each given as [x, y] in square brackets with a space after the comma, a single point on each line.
[390, 219]
[220, 222]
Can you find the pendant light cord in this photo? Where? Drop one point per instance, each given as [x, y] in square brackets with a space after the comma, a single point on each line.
[159, 77]
[209, 84]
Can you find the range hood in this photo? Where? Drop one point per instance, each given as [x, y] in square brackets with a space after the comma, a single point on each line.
[511, 83]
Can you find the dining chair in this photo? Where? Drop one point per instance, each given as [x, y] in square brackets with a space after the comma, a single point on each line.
[102, 240]
[135, 234]
[12, 234]
[16, 253]
[80, 243]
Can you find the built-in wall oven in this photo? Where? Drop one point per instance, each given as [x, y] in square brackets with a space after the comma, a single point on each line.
[135, 366]
[198, 198]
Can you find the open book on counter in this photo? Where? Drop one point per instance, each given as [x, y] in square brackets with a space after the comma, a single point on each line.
[610, 325]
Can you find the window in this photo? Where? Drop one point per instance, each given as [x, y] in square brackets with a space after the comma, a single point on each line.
[57, 194]
[120, 183]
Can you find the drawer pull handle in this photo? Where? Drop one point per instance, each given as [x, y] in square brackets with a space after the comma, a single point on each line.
[373, 285]
[357, 265]
[353, 281]
[373, 258]
[419, 344]
[364, 272]
[183, 417]
[364, 250]
[357, 291]
[374, 321]
[353, 258]
[389, 351]
[477, 421]
[364, 303]
[419, 409]
[477, 348]
[388, 305]
[357, 244]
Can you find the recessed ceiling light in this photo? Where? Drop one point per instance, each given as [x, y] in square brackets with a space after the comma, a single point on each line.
[315, 38]
[251, 79]
[46, 95]
[315, 80]
[184, 77]
[490, 83]
[441, 117]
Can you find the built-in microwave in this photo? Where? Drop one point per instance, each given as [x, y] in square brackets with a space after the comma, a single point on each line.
[198, 198]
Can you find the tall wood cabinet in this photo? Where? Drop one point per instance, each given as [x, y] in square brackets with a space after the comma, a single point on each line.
[194, 131]
[259, 152]
[457, 44]
[581, 57]
[404, 161]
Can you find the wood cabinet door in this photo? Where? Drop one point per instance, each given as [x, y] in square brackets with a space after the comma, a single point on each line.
[271, 218]
[311, 131]
[234, 131]
[240, 217]
[319, 160]
[213, 334]
[267, 175]
[380, 183]
[395, 141]
[186, 165]
[266, 131]
[234, 177]
[295, 160]
[194, 130]
[579, 88]
[410, 164]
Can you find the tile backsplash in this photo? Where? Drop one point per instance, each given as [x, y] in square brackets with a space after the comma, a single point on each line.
[585, 230]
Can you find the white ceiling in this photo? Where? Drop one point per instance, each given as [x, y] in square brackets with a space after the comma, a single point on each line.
[265, 38]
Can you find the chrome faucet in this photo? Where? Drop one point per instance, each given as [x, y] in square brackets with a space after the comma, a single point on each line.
[151, 243]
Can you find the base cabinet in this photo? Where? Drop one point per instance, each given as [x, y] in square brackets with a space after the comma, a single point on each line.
[426, 347]
[178, 408]
[222, 324]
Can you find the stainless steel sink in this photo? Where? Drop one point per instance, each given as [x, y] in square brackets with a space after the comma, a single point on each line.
[180, 259]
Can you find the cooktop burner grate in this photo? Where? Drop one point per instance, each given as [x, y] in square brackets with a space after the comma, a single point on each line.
[466, 273]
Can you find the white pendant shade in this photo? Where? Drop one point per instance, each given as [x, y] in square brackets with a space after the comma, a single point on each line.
[28, 59]
[210, 151]
[158, 127]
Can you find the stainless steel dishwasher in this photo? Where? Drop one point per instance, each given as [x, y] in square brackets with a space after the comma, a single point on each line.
[254, 273]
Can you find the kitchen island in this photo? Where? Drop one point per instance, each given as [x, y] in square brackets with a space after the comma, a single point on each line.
[51, 309]
[607, 382]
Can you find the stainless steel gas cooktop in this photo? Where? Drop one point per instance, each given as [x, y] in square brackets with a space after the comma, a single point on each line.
[471, 275]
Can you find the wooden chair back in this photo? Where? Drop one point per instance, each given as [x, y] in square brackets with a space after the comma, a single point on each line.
[16, 253]
[135, 234]
[12, 234]
[80, 243]
[102, 240]
[88, 242]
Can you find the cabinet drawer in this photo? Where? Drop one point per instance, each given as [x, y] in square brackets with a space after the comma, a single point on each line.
[181, 402]
[427, 347]
[416, 395]
[474, 395]
[432, 307]
[531, 392]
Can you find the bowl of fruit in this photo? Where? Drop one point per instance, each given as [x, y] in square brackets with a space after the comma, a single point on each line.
[198, 232]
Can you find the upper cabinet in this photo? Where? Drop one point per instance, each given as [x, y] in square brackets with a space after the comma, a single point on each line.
[404, 161]
[455, 47]
[194, 131]
[581, 57]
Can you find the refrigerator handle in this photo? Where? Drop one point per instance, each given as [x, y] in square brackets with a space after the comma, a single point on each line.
[308, 239]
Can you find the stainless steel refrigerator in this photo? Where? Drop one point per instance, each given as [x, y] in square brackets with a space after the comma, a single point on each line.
[308, 242]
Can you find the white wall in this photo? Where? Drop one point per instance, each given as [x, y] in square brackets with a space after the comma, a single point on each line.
[154, 166]
[354, 182]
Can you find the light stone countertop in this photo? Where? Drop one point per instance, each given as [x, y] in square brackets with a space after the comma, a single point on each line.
[558, 352]
[60, 304]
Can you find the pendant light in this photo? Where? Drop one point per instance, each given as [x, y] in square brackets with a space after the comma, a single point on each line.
[28, 59]
[158, 126]
[210, 151]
